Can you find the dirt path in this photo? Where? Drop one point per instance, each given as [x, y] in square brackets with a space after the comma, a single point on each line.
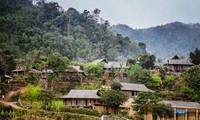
[13, 104]
[13, 93]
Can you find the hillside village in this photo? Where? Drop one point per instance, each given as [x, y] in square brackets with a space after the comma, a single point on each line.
[85, 85]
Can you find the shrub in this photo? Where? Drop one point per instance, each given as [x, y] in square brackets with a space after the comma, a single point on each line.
[85, 111]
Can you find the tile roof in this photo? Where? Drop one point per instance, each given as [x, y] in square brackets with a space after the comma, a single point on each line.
[92, 94]
[115, 65]
[135, 87]
[182, 104]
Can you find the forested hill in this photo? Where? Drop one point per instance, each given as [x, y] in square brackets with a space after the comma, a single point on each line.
[169, 39]
[46, 27]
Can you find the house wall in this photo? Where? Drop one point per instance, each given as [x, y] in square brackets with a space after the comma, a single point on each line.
[178, 67]
[80, 102]
[131, 93]
[103, 109]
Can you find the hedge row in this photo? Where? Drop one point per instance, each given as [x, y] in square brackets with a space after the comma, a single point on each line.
[85, 111]
[75, 116]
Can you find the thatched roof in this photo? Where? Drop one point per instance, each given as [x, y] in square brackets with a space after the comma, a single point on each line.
[135, 87]
[100, 60]
[182, 104]
[86, 94]
[116, 65]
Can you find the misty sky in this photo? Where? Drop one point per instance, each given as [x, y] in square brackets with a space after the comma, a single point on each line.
[140, 13]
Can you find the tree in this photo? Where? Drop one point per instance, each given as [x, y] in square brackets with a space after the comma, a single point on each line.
[94, 68]
[195, 56]
[139, 75]
[147, 61]
[32, 93]
[57, 62]
[115, 86]
[149, 102]
[191, 77]
[114, 98]
[156, 80]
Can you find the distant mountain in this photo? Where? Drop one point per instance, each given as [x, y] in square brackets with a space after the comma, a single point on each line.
[169, 39]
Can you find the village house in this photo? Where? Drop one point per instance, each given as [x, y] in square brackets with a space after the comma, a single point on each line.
[184, 110]
[177, 64]
[133, 89]
[74, 73]
[81, 98]
[18, 71]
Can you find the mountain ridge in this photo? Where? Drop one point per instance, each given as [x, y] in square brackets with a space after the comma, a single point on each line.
[164, 40]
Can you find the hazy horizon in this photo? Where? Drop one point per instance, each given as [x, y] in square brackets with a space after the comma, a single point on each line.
[139, 13]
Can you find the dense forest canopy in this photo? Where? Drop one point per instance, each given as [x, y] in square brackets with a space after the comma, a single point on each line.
[165, 40]
[27, 25]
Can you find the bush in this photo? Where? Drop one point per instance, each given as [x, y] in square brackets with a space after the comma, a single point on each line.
[75, 116]
[85, 111]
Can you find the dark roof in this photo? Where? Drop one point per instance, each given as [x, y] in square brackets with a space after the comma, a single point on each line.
[115, 65]
[182, 104]
[177, 61]
[92, 94]
[135, 87]
[100, 60]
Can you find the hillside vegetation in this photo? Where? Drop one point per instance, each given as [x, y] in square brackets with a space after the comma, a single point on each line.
[46, 27]
[169, 39]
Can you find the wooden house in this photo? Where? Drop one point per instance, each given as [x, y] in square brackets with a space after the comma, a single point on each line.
[184, 110]
[133, 89]
[177, 64]
[81, 98]
[74, 73]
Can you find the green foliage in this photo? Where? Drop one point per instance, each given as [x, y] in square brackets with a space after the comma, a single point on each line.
[32, 93]
[169, 81]
[87, 86]
[5, 111]
[149, 102]
[147, 61]
[139, 75]
[156, 80]
[57, 62]
[115, 86]
[195, 56]
[56, 105]
[114, 98]
[85, 111]
[94, 68]
[7, 60]
[46, 27]
[163, 110]
[191, 77]
[75, 116]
